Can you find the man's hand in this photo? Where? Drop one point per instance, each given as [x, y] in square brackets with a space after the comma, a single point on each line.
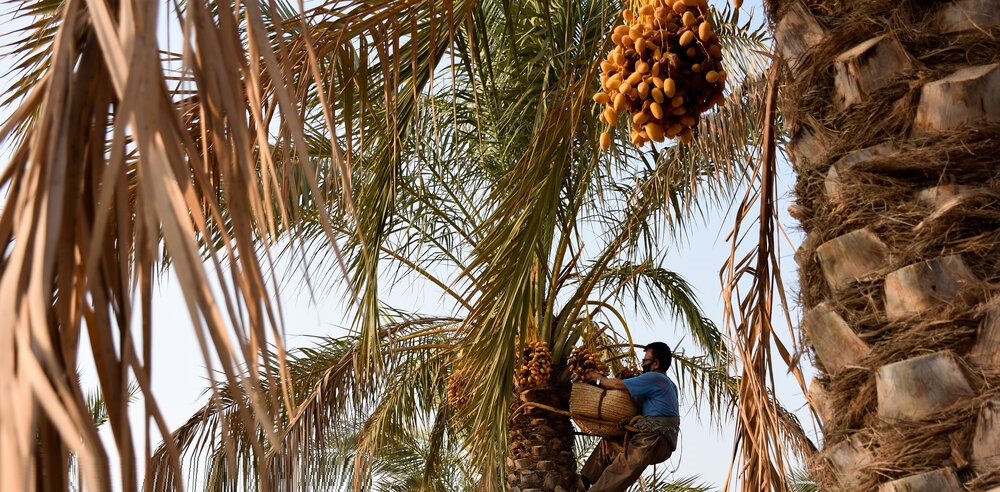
[610, 383]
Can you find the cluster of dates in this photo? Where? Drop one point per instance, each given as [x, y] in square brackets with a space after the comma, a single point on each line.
[664, 71]
[459, 392]
[536, 365]
[584, 361]
[628, 372]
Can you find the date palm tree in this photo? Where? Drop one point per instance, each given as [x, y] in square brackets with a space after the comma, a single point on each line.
[893, 111]
[452, 209]
[453, 141]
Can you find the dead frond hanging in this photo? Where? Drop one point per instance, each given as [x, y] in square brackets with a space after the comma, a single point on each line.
[765, 432]
[114, 178]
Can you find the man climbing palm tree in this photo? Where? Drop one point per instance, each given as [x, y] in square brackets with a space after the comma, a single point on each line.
[614, 466]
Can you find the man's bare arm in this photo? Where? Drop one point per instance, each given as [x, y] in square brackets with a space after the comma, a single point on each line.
[606, 382]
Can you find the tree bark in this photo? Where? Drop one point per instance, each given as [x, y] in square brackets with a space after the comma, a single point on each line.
[835, 343]
[893, 107]
[541, 456]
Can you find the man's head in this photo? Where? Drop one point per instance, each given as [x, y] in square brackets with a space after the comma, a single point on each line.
[657, 357]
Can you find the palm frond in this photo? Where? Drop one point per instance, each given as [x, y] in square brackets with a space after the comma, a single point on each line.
[325, 382]
[802, 482]
[660, 482]
[99, 95]
[763, 428]
[99, 409]
[708, 384]
[665, 290]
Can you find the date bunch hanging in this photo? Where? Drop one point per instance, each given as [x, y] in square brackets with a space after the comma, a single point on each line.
[536, 365]
[584, 360]
[629, 371]
[459, 392]
[663, 73]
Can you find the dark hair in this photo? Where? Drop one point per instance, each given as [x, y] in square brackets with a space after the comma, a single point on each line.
[661, 352]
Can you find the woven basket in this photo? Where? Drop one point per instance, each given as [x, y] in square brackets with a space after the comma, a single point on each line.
[599, 411]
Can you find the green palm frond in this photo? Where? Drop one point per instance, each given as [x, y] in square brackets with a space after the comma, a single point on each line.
[707, 383]
[28, 45]
[328, 392]
[802, 481]
[661, 482]
[99, 409]
[746, 46]
[649, 285]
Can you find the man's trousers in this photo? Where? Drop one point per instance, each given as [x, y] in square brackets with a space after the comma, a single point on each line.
[613, 467]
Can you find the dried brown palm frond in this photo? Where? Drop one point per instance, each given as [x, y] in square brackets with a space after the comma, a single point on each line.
[764, 430]
[106, 171]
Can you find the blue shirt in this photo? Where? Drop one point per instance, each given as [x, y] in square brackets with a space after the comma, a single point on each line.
[655, 392]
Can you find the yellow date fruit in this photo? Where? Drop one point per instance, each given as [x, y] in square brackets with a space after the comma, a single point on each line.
[611, 116]
[657, 110]
[654, 131]
[705, 31]
[669, 87]
[614, 82]
[620, 102]
[657, 94]
[643, 90]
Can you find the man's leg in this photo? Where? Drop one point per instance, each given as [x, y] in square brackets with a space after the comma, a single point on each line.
[602, 456]
[643, 449]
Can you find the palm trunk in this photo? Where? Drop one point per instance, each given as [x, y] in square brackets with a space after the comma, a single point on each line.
[894, 108]
[541, 454]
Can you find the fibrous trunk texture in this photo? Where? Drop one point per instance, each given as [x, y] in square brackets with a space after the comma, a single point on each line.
[541, 442]
[894, 109]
